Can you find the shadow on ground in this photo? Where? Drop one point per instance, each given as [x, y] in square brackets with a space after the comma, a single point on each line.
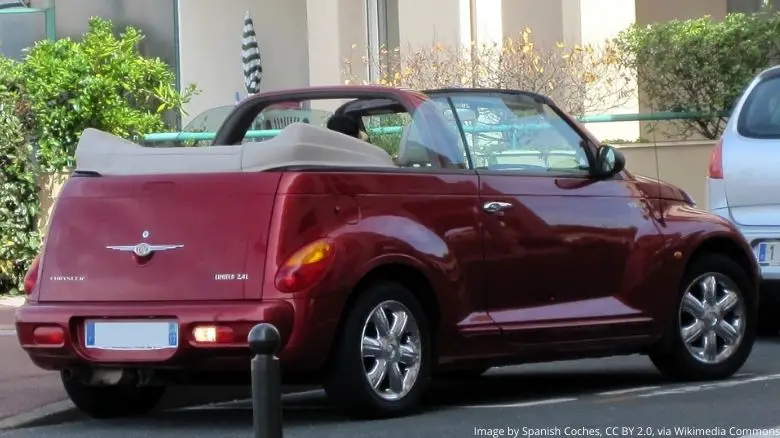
[497, 387]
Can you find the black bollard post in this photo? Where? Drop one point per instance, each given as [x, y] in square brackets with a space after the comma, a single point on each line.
[264, 341]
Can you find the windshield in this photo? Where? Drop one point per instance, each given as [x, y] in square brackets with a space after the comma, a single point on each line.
[513, 131]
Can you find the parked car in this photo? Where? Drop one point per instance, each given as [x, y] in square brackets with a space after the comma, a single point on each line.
[501, 233]
[743, 184]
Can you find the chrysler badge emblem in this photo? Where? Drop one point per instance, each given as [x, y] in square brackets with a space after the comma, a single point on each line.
[143, 249]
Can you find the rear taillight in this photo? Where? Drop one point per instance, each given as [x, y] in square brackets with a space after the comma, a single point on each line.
[305, 267]
[49, 336]
[716, 161]
[212, 334]
[32, 276]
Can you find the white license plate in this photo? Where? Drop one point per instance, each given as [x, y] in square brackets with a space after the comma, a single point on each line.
[131, 335]
[769, 253]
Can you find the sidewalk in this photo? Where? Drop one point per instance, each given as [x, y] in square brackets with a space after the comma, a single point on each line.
[23, 386]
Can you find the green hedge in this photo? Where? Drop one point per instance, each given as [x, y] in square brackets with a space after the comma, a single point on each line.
[19, 237]
[700, 65]
[47, 100]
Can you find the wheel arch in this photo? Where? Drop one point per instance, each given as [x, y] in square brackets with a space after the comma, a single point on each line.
[669, 354]
[730, 247]
[413, 279]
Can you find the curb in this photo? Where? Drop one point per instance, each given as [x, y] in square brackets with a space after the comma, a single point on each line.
[49, 414]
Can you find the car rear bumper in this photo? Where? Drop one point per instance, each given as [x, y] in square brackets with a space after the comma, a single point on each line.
[754, 235]
[189, 355]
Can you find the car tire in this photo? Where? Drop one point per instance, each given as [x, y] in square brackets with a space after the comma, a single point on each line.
[679, 360]
[351, 364]
[104, 402]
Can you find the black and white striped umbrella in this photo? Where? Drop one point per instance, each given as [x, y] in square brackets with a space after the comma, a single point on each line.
[250, 56]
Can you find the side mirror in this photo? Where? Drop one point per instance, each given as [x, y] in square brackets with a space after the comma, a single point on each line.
[609, 161]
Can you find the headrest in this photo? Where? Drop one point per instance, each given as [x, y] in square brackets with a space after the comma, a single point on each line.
[344, 124]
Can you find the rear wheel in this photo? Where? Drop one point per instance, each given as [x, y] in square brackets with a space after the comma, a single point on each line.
[381, 359]
[115, 401]
[714, 327]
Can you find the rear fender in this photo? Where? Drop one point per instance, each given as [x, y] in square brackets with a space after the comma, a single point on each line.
[360, 249]
[385, 240]
[34, 294]
[391, 240]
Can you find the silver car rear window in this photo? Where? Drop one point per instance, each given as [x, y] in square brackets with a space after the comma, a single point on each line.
[760, 115]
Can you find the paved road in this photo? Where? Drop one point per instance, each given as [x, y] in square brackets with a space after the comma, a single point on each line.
[589, 397]
[22, 385]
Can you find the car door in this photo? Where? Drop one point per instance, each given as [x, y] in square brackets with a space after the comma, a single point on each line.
[568, 257]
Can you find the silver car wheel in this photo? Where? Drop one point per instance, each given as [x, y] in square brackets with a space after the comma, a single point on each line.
[391, 350]
[712, 318]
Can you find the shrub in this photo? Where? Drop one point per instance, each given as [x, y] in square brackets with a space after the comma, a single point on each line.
[19, 239]
[100, 82]
[700, 65]
[581, 79]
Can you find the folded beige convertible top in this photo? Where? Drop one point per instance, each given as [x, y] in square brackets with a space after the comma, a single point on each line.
[299, 144]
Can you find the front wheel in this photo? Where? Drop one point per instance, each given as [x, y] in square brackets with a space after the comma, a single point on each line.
[714, 326]
[104, 402]
[381, 360]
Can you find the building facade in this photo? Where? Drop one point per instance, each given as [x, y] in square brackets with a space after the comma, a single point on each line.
[304, 42]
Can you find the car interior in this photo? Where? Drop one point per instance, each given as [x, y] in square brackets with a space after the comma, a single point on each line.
[411, 150]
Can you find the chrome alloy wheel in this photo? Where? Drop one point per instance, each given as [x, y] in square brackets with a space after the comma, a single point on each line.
[712, 318]
[391, 350]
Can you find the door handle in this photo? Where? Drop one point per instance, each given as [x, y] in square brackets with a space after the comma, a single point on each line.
[496, 207]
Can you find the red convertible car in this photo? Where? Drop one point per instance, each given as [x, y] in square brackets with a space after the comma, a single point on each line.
[409, 236]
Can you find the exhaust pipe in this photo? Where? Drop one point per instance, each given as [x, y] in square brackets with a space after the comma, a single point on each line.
[106, 377]
[113, 376]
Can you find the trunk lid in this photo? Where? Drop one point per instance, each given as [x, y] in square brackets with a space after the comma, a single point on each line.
[202, 227]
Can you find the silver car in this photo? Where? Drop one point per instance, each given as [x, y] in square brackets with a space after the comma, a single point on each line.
[743, 185]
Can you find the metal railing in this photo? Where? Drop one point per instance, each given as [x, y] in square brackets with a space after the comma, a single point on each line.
[160, 137]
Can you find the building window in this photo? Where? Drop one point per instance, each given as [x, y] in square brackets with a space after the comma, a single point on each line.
[383, 34]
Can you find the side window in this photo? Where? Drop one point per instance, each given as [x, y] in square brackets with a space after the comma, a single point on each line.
[207, 122]
[424, 139]
[387, 131]
[760, 114]
[405, 138]
[269, 122]
[516, 133]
